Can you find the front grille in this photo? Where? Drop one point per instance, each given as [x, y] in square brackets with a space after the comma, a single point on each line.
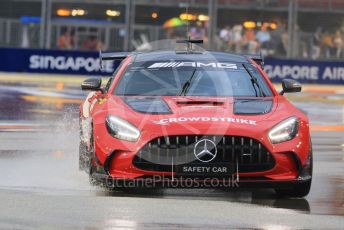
[163, 153]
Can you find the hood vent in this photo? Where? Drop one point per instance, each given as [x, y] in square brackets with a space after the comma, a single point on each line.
[148, 105]
[252, 106]
[207, 103]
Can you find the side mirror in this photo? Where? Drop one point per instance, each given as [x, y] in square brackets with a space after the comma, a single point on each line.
[290, 86]
[91, 84]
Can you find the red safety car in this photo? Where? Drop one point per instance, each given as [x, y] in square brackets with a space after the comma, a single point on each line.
[196, 117]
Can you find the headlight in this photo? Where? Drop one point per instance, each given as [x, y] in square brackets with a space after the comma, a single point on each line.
[284, 131]
[121, 129]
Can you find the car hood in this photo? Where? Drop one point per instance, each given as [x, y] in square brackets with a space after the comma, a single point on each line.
[181, 105]
[195, 115]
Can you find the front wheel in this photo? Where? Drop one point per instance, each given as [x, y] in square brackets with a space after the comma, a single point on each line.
[301, 189]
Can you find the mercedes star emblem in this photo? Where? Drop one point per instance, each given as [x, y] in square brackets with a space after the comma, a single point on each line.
[205, 150]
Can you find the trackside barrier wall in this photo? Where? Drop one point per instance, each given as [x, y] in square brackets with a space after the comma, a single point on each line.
[87, 63]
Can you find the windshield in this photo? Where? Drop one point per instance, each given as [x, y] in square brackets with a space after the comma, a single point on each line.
[205, 80]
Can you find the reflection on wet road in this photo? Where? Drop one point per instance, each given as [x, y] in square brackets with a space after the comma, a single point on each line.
[40, 184]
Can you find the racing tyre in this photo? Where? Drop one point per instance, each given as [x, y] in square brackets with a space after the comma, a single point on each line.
[299, 190]
[90, 168]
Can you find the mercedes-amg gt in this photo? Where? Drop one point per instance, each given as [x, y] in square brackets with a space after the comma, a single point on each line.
[189, 115]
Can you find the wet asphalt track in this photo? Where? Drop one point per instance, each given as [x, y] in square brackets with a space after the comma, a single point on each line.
[41, 187]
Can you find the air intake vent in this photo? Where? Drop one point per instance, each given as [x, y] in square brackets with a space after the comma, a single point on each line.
[210, 103]
[158, 154]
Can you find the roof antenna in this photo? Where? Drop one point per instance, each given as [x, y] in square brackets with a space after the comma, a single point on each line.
[188, 41]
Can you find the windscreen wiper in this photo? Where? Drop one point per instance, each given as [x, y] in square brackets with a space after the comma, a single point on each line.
[254, 82]
[187, 84]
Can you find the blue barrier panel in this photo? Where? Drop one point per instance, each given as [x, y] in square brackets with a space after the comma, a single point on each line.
[53, 61]
[305, 71]
[87, 63]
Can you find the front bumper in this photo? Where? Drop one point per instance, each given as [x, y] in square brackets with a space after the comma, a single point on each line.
[118, 165]
[115, 157]
[187, 183]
